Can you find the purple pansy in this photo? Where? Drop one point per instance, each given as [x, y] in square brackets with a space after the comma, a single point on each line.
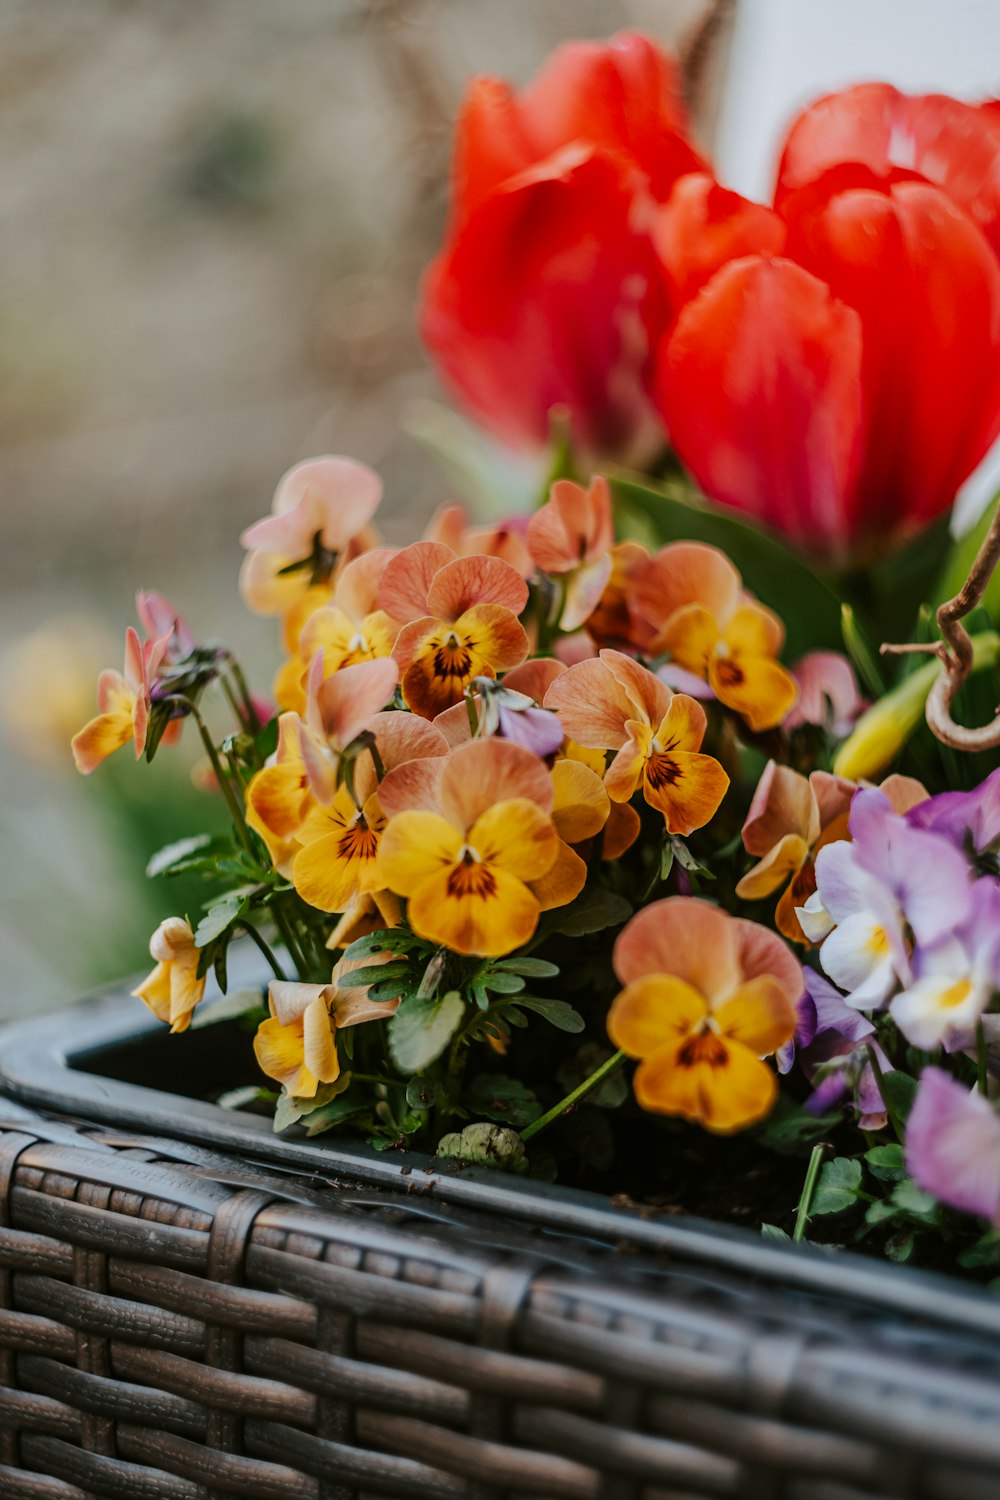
[963, 816]
[833, 1047]
[953, 1146]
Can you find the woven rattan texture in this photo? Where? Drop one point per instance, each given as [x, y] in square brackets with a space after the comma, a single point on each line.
[179, 1326]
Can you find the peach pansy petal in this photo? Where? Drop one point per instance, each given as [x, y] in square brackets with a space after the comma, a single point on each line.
[415, 846]
[414, 786]
[584, 589]
[762, 952]
[484, 772]
[686, 788]
[474, 909]
[720, 1085]
[759, 689]
[779, 864]
[407, 578]
[563, 882]
[652, 698]
[114, 696]
[592, 705]
[515, 835]
[620, 831]
[411, 640]
[784, 803]
[467, 581]
[399, 738]
[683, 726]
[331, 495]
[653, 1012]
[685, 573]
[903, 792]
[534, 678]
[833, 795]
[626, 769]
[357, 587]
[265, 589]
[686, 937]
[352, 696]
[289, 1000]
[573, 526]
[580, 802]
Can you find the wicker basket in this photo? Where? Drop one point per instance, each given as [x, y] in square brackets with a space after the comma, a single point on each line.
[287, 1319]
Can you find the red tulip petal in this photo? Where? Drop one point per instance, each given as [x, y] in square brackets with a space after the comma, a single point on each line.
[703, 225]
[760, 386]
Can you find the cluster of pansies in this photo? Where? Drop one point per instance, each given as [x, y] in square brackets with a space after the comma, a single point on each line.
[542, 800]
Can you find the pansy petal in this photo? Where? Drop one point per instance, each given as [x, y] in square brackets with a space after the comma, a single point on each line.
[785, 802]
[534, 678]
[762, 952]
[584, 589]
[414, 846]
[759, 1014]
[515, 835]
[468, 581]
[495, 633]
[154, 991]
[352, 696]
[580, 806]
[399, 738]
[407, 578]
[620, 831]
[280, 797]
[592, 704]
[759, 689]
[953, 1145]
[626, 769]
[328, 872]
[413, 786]
[652, 698]
[100, 738]
[289, 1000]
[279, 1053]
[685, 573]
[683, 726]
[691, 635]
[357, 587]
[474, 909]
[754, 630]
[318, 1046]
[687, 789]
[779, 864]
[683, 936]
[654, 1011]
[720, 1085]
[484, 772]
[563, 882]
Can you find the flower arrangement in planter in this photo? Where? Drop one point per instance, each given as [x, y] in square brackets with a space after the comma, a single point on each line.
[600, 843]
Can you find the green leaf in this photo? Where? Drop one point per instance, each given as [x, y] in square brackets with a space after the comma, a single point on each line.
[173, 858]
[503, 983]
[594, 910]
[531, 968]
[772, 1232]
[900, 1247]
[240, 1004]
[913, 1201]
[686, 860]
[886, 1162]
[838, 1187]
[805, 596]
[556, 1012]
[959, 560]
[867, 662]
[222, 915]
[290, 1110]
[387, 938]
[985, 1252]
[899, 1091]
[501, 1098]
[330, 1115]
[422, 1028]
[378, 973]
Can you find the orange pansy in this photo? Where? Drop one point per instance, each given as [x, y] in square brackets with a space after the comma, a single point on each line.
[174, 988]
[613, 703]
[706, 997]
[571, 537]
[693, 597]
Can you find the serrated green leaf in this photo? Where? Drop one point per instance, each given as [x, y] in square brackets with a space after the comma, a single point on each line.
[557, 1012]
[531, 968]
[422, 1028]
[838, 1187]
[392, 989]
[240, 1004]
[593, 910]
[215, 921]
[377, 973]
[386, 939]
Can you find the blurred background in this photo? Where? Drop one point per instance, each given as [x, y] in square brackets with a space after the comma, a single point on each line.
[213, 221]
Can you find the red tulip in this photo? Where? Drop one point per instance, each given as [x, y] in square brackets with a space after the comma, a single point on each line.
[546, 284]
[954, 145]
[839, 386]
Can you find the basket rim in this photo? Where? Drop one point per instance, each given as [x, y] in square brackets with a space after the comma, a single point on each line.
[40, 1068]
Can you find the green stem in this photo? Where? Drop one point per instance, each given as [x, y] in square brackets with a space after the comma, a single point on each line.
[252, 716]
[284, 926]
[252, 932]
[580, 1092]
[233, 702]
[981, 1070]
[894, 1119]
[390, 1083]
[470, 709]
[808, 1189]
[225, 785]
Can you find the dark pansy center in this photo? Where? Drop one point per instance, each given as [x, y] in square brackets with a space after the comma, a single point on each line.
[358, 841]
[703, 1047]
